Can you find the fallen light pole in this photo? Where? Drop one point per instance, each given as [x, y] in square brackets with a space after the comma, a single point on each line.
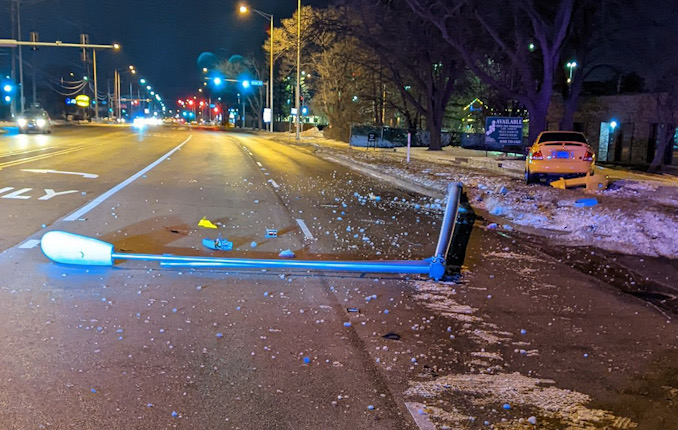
[70, 248]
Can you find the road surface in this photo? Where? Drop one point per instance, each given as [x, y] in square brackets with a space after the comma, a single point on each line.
[140, 346]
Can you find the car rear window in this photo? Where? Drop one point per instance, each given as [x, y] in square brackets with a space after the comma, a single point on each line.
[559, 136]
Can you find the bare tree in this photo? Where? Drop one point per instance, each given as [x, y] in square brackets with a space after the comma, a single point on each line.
[524, 38]
[423, 70]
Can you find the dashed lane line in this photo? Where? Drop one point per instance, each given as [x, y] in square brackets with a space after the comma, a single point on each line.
[304, 228]
[30, 243]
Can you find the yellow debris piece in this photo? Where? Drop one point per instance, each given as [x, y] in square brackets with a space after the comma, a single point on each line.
[204, 222]
[592, 182]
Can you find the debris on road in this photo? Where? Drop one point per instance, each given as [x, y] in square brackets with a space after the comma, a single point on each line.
[592, 182]
[286, 254]
[204, 222]
[218, 244]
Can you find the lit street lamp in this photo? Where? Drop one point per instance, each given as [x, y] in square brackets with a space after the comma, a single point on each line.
[571, 66]
[244, 9]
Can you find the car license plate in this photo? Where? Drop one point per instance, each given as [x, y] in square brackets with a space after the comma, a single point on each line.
[562, 154]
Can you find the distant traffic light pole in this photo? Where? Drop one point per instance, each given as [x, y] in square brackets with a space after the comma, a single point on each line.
[12, 43]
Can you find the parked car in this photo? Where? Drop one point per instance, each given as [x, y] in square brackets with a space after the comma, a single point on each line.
[559, 153]
[34, 120]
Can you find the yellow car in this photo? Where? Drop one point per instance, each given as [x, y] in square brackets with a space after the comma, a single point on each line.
[558, 153]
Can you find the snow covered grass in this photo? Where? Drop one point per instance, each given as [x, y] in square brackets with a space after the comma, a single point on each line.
[634, 216]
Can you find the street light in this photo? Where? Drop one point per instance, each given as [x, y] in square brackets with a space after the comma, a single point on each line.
[571, 65]
[244, 9]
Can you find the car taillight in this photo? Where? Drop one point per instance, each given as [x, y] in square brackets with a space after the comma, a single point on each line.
[537, 156]
[588, 156]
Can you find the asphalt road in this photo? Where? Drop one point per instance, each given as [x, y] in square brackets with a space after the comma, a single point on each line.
[140, 346]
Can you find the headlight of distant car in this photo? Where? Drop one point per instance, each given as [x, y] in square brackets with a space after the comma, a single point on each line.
[41, 122]
[22, 122]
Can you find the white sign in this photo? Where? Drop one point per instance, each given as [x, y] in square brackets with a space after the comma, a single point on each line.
[267, 115]
[293, 111]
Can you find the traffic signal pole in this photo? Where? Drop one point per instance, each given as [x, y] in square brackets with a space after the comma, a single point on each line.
[13, 43]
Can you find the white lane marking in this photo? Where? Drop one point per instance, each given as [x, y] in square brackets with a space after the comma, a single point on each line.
[305, 229]
[421, 419]
[17, 194]
[96, 202]
[31, 243]
[274, 183]
[3, 190]
[259, 164]
[49, 193]
[84, 175]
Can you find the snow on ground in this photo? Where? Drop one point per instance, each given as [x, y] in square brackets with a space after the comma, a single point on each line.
[635, 216]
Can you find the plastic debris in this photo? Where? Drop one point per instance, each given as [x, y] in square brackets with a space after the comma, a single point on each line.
[286, 254]
[220, 335]
[585, 203]
[93, 390]
[370, 407]
[271, 233]
[506, 406]
[253, 244]
[352, 310]
[492, 226]
[204, 222]
[532, 420]
[218, 244]
[307, 360]
[347, 324]
[174, 414]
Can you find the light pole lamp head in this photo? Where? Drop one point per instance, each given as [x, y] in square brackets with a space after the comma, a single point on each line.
[243, 9]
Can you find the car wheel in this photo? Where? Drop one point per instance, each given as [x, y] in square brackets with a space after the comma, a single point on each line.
[529, 177]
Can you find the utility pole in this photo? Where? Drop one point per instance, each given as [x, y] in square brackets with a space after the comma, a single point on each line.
[297, 101]
[13, 14]
[96, 87]
[21, 58]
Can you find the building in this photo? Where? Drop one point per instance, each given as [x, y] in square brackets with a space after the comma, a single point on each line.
[622, 128]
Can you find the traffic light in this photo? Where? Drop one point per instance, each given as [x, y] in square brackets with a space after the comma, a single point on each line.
[7, 91]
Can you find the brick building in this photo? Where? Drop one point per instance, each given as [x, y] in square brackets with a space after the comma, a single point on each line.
[622, 128]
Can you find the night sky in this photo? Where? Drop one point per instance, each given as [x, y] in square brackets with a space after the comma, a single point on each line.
[162, 39]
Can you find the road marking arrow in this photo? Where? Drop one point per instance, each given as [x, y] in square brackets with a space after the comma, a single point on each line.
[84, 175]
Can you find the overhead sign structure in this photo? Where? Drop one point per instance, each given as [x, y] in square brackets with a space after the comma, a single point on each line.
[82, 100]
[501, 131]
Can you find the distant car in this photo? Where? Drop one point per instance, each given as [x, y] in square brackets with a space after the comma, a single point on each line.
[559, 153]
[34, 120]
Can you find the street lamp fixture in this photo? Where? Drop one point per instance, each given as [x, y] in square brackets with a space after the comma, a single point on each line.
[571, 66]
[244, 9]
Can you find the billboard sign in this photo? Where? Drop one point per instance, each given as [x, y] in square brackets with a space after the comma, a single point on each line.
[501, 131]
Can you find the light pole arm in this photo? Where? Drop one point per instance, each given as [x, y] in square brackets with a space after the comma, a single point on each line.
[264, 14]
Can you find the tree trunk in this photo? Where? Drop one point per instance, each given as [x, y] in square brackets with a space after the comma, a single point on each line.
[538, 113]
[570, 104]
[434, 124]
[664, 140]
